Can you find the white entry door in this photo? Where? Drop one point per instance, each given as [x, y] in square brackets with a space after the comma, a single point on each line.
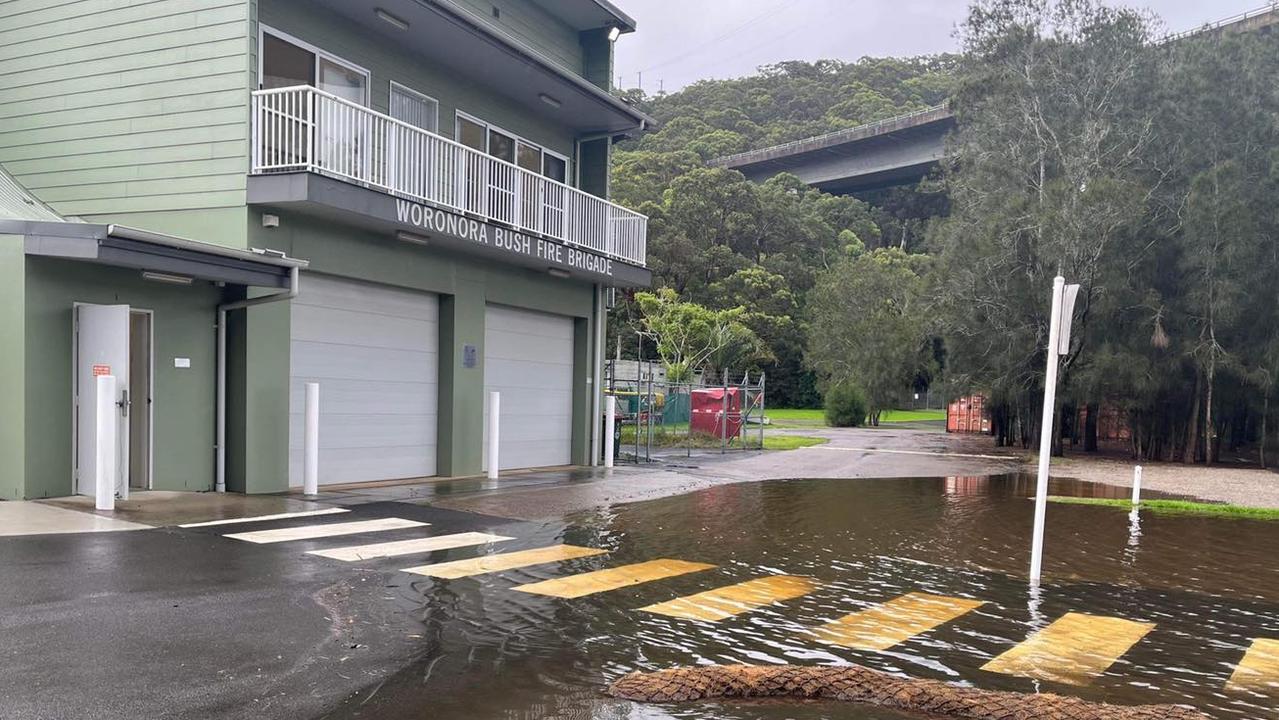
[528, 358]
[374, 350]
[101, 348]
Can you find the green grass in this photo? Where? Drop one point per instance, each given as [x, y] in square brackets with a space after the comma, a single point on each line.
[816, 417]
[1177, 507]
[791, 442]
[895, 416]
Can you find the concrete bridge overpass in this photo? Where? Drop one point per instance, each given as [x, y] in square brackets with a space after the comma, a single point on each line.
[904, 149]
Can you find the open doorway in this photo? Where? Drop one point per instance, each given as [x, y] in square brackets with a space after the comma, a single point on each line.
[114, 340]
[140, 384]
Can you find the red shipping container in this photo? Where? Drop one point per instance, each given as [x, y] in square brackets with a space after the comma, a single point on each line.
[706, 414]
[968, 415]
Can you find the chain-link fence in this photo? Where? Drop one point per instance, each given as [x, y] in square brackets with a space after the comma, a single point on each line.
[659, 418]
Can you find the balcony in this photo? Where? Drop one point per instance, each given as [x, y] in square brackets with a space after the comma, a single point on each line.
[303, 129]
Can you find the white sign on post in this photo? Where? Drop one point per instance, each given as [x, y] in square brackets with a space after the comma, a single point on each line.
[1063, 308]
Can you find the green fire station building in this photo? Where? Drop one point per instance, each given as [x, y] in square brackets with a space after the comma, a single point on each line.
[219, 201]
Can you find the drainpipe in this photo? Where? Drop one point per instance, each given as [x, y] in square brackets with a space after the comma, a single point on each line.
[597, 376]
[291, 293]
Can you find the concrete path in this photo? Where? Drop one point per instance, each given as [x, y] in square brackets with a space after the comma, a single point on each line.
[34, 518]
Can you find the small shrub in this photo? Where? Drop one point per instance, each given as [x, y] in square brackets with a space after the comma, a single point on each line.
[846, 406]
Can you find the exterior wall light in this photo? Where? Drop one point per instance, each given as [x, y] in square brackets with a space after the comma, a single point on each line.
[548, 100]
[614, 33]
[559, 273]
[391, 19]
[414, 238]
[167, 278]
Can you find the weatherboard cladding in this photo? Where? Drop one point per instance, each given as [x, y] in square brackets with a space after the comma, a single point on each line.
[543, 32]
[110, 107]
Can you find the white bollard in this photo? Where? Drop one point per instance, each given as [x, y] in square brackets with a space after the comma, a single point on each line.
[104, 463]
[311, 441]
[610, 411]
[495, 409]
[1136, 488]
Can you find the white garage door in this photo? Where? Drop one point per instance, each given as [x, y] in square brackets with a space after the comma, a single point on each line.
[528, 357]
[374, 350]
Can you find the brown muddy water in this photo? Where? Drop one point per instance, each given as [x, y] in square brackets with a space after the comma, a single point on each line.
[1209, 585]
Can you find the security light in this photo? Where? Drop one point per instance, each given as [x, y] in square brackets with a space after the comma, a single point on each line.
[391, 19]
[414, 238]
[548, 100]
[614, 33]
[167, 278]
[559, 273]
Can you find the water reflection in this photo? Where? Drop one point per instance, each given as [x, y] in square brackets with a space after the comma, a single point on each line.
[1209, 585]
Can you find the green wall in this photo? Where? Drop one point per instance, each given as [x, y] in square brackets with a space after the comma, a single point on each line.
[12, 367]
[386, 62]
[113, 109]
[538, 29]
[465, 285]
[183, 422]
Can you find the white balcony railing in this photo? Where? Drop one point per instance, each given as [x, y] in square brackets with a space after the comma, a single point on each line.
[306, 129]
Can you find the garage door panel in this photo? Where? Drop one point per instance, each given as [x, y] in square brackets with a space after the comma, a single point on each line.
[357, 465]
[374, 350]
[508, 320]
[505, 346]
[349, 327]
[528, 358]
[367, 431]
[542, 429]
[340, 294]
[344, 397]
[316, 361]
[535, 401]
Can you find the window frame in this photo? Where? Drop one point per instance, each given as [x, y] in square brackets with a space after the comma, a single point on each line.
[394, 86]
[460, 115]
[318, 52]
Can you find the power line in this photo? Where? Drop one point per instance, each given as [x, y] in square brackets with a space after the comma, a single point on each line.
[702, 48]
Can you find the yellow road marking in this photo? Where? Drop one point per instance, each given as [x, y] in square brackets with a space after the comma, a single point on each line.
[1259, 669]
[311, 532]
[1073, 650]
[575, 586]
[504, 561]
[409, 547]
[731, 600]
[895, 621]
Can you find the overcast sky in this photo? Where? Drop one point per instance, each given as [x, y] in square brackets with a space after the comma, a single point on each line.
[681, 41]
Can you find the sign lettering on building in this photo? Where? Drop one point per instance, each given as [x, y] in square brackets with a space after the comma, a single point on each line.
[436, 221]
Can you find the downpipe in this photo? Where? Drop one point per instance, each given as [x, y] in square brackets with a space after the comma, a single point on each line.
[220, 442]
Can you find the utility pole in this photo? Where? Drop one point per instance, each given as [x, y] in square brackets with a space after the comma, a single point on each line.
[1063, 306]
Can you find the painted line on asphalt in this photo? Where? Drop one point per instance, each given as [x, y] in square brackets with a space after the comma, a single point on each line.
[260, 518]
[504, 561]
[725, 602]
[912, 452]
[1075, 649]
[575, 586]
[408, 547]
[1258, 671]
[896, 621]
[311, 532]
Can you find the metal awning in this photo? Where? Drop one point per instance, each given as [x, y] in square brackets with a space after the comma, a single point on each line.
[123, 246]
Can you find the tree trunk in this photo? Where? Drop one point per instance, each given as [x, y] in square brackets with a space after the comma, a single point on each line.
[1265, 416]
[1209, 431]
[1090, 427]
[1191, 451]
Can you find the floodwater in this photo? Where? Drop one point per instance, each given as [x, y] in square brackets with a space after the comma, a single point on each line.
[1208, 585]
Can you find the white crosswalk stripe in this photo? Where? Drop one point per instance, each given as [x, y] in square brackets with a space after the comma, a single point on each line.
[311, 532]
[409, 547]
[263, 518]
